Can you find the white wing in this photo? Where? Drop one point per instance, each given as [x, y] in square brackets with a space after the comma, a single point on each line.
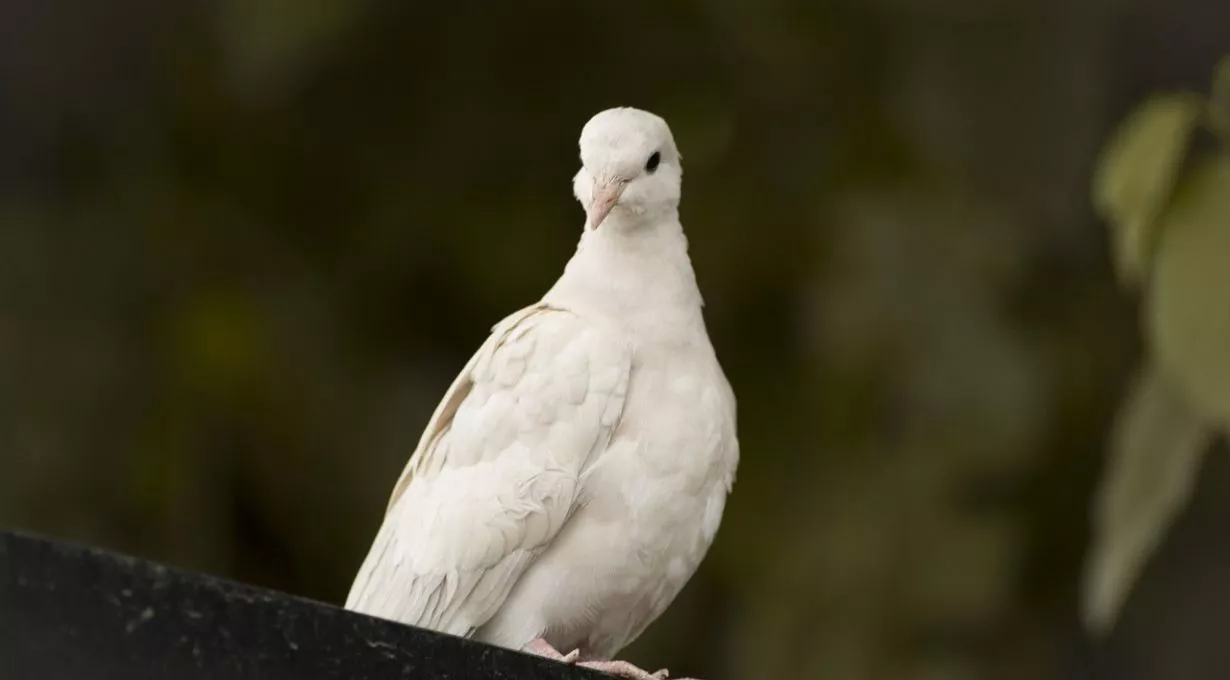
[495, 474]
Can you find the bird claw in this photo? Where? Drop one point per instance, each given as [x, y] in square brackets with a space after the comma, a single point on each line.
[543, 648]
[620, 669]
[623, 669]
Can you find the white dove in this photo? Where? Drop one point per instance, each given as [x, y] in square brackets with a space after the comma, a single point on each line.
[574, 476]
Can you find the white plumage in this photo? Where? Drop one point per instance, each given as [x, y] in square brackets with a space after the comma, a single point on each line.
[575, 473]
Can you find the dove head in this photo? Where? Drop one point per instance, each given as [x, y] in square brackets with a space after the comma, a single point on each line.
[630, 173]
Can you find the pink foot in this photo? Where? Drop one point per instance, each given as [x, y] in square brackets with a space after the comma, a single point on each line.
[623, 669]
[620, 669]
[544, 649]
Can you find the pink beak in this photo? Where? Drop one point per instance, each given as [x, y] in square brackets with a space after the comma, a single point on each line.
[606, 195]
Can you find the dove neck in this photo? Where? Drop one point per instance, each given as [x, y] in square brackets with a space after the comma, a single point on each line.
[639, 278]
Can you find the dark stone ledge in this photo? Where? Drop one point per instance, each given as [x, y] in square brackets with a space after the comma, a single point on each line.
[69, 612]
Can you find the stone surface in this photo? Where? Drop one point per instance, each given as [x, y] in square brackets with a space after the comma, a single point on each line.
[68, 611]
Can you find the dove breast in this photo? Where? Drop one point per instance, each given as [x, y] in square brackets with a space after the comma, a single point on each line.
[649, 506]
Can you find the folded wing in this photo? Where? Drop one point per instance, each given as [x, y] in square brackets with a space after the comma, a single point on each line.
[495, 474]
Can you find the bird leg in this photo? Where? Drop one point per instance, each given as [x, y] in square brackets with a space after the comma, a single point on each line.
[620, 669]
[543, 648]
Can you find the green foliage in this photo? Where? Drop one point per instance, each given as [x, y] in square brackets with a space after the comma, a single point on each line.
[1137, 175]
[1155, 452]
[1170, 217]
[1189, 298]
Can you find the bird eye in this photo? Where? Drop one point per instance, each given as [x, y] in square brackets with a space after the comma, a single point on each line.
[652, 163]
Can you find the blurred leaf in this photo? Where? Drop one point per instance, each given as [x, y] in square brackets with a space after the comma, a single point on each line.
[1137, 173]
[1188, 304]
[1155, 455]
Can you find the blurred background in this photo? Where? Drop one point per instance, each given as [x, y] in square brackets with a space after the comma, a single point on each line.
[245, 247]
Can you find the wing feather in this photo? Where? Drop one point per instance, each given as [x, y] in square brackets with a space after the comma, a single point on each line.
[495, 474]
